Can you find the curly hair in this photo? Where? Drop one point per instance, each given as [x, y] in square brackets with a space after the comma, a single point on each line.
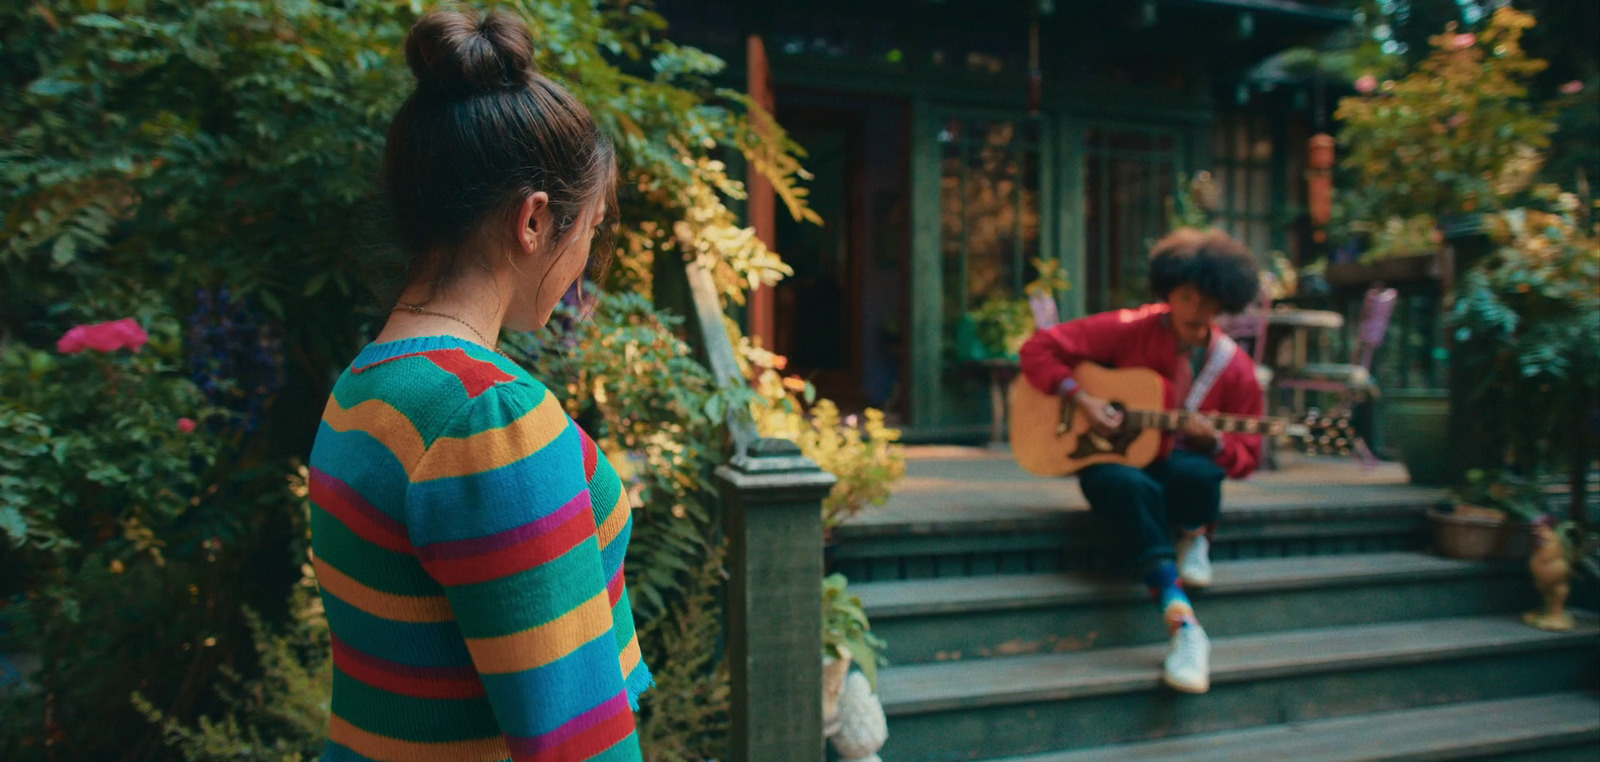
[1213, 261]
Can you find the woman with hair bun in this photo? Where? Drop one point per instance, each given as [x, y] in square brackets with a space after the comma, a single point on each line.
[467, 535]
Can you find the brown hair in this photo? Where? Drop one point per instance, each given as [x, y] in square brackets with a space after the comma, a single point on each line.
[482, 131]
[1213, 261]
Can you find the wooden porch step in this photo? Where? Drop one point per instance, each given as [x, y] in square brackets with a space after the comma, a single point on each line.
[1052, 702]
[1549, 727]
[979, 617]
[1003, 539]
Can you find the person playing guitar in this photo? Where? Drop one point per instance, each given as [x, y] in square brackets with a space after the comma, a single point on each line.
[1197, 275]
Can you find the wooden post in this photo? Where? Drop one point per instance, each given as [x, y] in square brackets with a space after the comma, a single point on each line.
[772, 508]
[761, 205]
[772, 515]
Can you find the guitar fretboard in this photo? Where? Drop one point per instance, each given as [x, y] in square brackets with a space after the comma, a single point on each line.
[1172, 420]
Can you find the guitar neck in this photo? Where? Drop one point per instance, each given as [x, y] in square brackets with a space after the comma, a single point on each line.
[1172, 420]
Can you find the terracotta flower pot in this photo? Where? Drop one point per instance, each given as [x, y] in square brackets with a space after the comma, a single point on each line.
[1473, 533]
[834, 672]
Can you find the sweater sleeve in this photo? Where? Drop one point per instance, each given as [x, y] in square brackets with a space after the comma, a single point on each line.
[1050, 355]
[1241, 453]
[613, 514]
[501, 514]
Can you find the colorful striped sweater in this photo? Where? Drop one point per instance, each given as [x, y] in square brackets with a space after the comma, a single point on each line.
[469, 538]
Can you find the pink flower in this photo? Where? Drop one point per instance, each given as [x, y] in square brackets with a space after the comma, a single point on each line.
[186, 425]
[1366, 84]
[103, 337]
[1464, 41]
[1572, 88]
[1457, 120]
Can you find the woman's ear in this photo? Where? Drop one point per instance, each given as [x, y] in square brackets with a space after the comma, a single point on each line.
[534, 223]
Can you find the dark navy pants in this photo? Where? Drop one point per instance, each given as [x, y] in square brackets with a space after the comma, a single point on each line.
[1140, 506]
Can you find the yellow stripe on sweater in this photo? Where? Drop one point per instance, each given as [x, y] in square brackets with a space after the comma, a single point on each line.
[381, 420]
[631, 657]
[400, 608]
[494, 448]
[538, 646]
[374, 746]
[615, 521]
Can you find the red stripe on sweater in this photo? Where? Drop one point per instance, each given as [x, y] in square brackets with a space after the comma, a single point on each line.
[568, 743]
[614, 588]
[504, 562]
[476, 375]
[591, 456]
[349, 507]
[405, 679]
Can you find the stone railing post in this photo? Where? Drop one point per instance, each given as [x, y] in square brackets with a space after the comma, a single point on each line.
[772, 515]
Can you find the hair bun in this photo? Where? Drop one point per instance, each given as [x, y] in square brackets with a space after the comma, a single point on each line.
[465, 53]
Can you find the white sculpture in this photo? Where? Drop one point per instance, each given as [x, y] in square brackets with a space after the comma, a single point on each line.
[862, 727]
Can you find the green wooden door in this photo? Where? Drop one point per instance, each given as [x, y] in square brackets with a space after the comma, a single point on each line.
[1128, 175]
[985, 211]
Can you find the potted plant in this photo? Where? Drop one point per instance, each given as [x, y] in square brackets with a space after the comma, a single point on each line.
[1528, 318]
[1490, 517]
[998, 328]
[1454, 136]
[846, 639]
[1415, 425]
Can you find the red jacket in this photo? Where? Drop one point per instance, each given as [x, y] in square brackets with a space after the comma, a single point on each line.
[1140, 338]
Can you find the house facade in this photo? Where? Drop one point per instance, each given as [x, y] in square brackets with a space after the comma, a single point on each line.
[952, 142]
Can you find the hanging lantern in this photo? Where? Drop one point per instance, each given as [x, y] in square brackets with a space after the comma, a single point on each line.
[1319, 184]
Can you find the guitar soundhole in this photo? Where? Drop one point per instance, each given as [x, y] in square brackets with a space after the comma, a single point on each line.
[1090, 443]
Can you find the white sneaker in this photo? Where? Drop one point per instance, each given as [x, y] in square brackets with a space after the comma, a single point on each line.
[1194, 561]
[1188, 665]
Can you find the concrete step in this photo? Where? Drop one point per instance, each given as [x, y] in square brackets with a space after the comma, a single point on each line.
[979, 617]
[1055, 702]
[1000, 538]
[1550, 727]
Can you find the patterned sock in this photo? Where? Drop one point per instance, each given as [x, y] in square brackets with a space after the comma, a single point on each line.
[1165, 587]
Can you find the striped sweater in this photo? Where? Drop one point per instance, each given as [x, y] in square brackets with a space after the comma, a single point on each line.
[468, 538]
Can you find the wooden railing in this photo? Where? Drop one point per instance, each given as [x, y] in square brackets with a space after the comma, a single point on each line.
[772, 513]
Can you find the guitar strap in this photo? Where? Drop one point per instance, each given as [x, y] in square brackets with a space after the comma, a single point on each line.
[1217, 360]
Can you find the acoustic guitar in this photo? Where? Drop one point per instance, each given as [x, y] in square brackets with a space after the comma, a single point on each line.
[1048, 438]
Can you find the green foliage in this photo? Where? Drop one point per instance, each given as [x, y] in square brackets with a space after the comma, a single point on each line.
[862, 452]
[1528, 318]
[191, 145]
[845, 628]
[154, 149]
[685, 718]
[282, 715]
[1399, 237]
[1519, 496]
[1456, 134]
[1194, 206]
[93, 446]
[1000, 326]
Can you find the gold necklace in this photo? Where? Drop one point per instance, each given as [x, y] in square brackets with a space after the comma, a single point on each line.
[419, 310]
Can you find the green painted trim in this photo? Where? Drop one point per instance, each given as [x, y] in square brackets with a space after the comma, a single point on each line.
[1069, 141]
[1049, 238]
[1299, 11]
[927, 290]
[1280, 180]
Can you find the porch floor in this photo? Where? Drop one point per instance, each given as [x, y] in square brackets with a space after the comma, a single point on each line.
[963, 484]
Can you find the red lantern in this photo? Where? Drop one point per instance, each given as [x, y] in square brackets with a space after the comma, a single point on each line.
[1319, 183]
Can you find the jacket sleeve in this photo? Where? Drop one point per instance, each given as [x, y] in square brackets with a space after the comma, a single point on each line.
[1050, 355]
[1241, 453]
[502, 517]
